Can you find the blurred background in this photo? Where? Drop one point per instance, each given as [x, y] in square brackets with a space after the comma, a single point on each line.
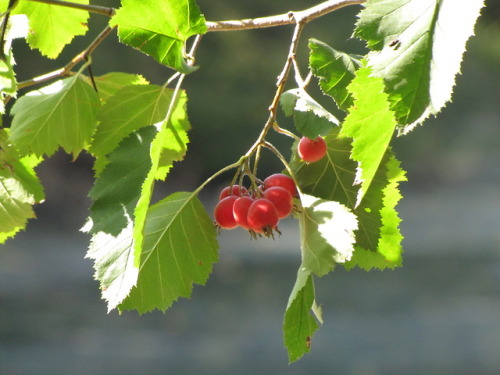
[439, 314]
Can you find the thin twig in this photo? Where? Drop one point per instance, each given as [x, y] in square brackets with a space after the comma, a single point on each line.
[66, 70]
[106, 11]
[282, 19]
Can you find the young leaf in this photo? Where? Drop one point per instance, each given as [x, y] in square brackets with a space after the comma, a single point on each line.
[299, 324]
[20, 188]
[311, 119]
[371, 124]
[179, 248]
[129, 109]
[115, 196]
[326, 234]
[109, 84]
[53, 26]
[61, 114]
[379, 238]
[160, 28]
[335, 71]
[418, 47]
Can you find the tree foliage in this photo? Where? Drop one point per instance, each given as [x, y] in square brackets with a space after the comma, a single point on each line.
[148, 254]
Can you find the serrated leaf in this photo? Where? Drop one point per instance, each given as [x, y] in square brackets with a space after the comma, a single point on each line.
[62, 114]
[326, 234]
[379, 238]
[20, 189]
[160, 28]
[117, 190]
[371, 125]
[311, 119]
[335, 71]
[179, 248]
[53, 26]
[169, 145]
[129, 109]
[418, 47]
[299, 324]
[115, 196]
[109, 84]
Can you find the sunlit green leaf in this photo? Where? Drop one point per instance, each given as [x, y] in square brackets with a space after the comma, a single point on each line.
[299, 324]
[53, 26]
[326, 234]
[115, 196]
[179, 248]
[335, 71]
[109, 84]
[129, 109]
[20, 189]
[386, 250]
[371, 124]
[418, 47]
[62, 114]
[160, 28]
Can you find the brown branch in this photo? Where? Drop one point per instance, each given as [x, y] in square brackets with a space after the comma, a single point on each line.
[288, 18]
[66, 70]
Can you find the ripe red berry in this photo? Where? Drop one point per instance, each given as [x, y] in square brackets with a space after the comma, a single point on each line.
[223, 213]
[281, 199]
[240, 211]
[262, 216]
[281, 180]
[236, 190]
[311, 150]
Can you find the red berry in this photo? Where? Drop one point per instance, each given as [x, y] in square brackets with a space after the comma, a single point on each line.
[281, 199]
[262, 216]
[236, 190]
[281, 180]
[223, 213]
[240, 211]
[311, 150]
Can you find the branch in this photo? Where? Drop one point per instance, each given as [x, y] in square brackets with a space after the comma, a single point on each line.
[282, 19]
[107, 11]
[65, 70]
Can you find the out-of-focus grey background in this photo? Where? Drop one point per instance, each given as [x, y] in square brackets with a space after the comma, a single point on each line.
[439, 314]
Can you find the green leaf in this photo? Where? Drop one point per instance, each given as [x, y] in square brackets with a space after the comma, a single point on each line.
[129, 109]
[17, 28]
[326, 234]
[160, 28]
[418, 47]
[371, 124]
[311, 119]
[335, 71]
[117, 190]
[53, 26]
[179, 248]
[115, 197]
[20, 189]
[299, 324]
[169, 145]
[61, 114]
[109, 84]
[379, 238]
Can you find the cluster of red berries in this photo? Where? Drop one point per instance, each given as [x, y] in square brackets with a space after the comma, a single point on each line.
[258, 211]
